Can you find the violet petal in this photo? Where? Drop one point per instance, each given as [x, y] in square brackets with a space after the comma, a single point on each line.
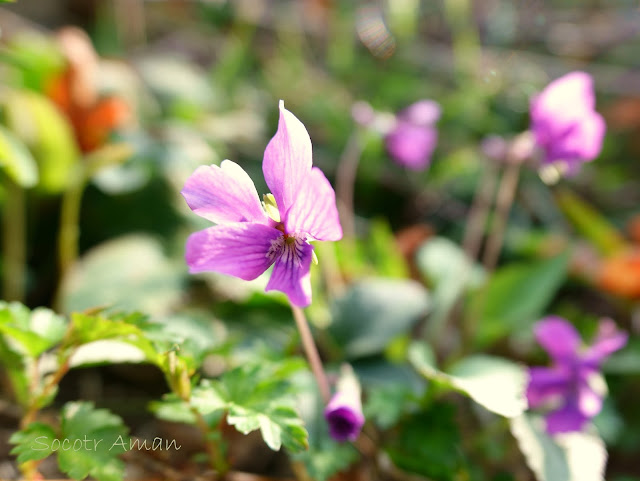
[287, 160]
[239, 249]
[314, 211]
[223, 194]
[566, 419]
[608, 340]
[411, 145]
[558, 337]
[291, 272]
[545, 383]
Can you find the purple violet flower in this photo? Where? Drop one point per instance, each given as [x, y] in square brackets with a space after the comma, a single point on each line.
[414, 137]
[249, 236]
[344, 411]
[564, 122]
[571, 379]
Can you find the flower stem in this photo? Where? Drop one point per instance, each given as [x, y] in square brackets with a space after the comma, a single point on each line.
[14, 243]
[345, 184]
[312, 353]
[506, 194]
[477, 218]
[69, 226]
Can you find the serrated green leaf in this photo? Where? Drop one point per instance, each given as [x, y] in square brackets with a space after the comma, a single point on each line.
[16, 160]
[36, 331]
[88, 328]
[107, 437]
[576, 456]
[374, 311]
[33, 442]
[515, 297]
[255, 397]
[40, 125]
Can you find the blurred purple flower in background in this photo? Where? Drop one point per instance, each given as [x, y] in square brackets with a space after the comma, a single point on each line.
[564, 122]
[571, 379]
[250, 237]
[413, 138]
[344, 411]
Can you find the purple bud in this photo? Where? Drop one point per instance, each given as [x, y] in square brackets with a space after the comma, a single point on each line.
[414, 136]
[344, 411]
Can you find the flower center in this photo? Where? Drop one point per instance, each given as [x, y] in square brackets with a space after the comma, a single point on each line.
[287, 246]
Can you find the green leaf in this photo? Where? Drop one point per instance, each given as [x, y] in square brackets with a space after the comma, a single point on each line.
[386, 404]
[33, 442]
[326, 458]
[515, 297]
[445, 266]
[16, 160]
[590, 223]
[36, 58]
[128, 273]
[495, 383]
[106, 438]
[88, 329]
[385, 256]
[374, 311]
[172, 408]
[575, 456]
[625, 361]
[36, 331]
[255, 397]
[428, 443]
[41, 126]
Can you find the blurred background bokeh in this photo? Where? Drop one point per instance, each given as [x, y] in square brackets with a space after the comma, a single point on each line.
[107, 106]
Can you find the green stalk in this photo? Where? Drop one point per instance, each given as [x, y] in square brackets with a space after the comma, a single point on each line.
[312, 353]
[14, 240]
[69, 232]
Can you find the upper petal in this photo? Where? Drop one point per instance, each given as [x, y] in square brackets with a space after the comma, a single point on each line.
[287, 160]
[566, 97]
[608, 340]
[238, 249]
[422, 112]
[558, 337]
[314, 211]
[291, 273]
[223, 194]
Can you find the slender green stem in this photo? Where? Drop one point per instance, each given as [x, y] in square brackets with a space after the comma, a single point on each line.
[214, 449]
[14, 230]
[69, 232]
[345, 185]
[506, 194]
[479, 213]
[312, 353]
[38, 401]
